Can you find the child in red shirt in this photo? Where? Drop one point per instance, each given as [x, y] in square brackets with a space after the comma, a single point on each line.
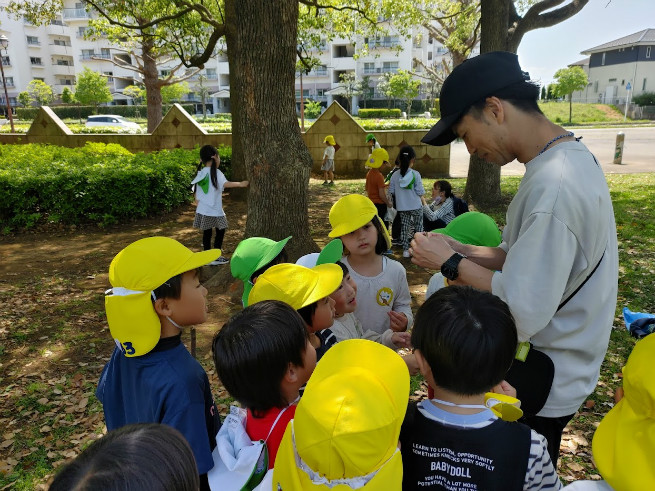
[263, 356]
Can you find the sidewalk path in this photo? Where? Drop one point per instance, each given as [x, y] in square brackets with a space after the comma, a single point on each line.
[638, 152]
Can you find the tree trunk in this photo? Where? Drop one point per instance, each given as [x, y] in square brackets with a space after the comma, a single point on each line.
[483, 182]
[153, 87]
[267, 147]
[570, 108]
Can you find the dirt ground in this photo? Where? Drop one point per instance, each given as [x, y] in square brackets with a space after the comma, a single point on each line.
[54, 339]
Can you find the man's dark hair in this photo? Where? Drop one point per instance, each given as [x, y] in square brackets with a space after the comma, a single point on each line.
[445, 187]
[468, 337]
[132, 458]
[253, 350]
[522, 95]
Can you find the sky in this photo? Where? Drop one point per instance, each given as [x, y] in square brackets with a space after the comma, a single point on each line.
[544, 51]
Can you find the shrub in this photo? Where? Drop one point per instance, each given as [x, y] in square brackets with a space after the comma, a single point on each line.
[83, 112]
[313, 109]
[98, 183]
[645, 99]
[379, 113]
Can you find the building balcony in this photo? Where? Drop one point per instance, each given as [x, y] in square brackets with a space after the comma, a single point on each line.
[95, 56]
[59, 88]
[63, 69]
[56, 28]
[37, 64]
[34, 44]
[73, 14]
[372, 71]
[58, 49]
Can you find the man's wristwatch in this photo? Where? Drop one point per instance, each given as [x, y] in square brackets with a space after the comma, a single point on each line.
[449, 268]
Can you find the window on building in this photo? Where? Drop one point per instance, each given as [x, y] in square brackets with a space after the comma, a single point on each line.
[9, 81]
[33, 40]
[643, 85]
[211, 74]
[369, 68]
[65, 81]
[164, 73]
[321, 93]
[6, 61]
[429, 55]
[39, 78]
[341, 52]
[612, 80]
[34, 60]
[109, 75]
[61, 42]
[104, 53]
[602, 59]
[596, 86]
[647, 51]
[87, 54]
[61, 62]
[81, 31]
[390, 66]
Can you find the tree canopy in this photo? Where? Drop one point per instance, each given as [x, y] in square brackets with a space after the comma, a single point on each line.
[91, 88]
[568, 81]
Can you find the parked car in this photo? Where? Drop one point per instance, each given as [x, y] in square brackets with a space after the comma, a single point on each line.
[112, 120]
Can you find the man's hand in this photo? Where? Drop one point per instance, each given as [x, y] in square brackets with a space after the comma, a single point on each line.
[430, 250]
[397, 321]
[402, 339]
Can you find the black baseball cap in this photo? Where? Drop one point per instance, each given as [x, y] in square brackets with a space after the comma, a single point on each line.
[473, 80]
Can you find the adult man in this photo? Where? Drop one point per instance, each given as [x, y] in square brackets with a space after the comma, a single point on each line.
[560, 230]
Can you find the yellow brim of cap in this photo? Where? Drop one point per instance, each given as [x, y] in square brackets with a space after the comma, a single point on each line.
[623, 448]
[329, 279]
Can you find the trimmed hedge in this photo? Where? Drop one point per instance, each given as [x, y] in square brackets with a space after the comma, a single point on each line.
[379, 113]
[98, 183]
[83, 112]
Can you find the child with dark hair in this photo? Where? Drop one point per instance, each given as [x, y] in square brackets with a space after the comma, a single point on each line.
[383, 300]
[209, 185]
[134, 457]
[151, 377]
[465, 341]
[308, 291]
[407, 187]
[440, 211]
[252, 257]
[263, 356]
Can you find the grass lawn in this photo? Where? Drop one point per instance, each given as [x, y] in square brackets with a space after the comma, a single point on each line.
[54, 340]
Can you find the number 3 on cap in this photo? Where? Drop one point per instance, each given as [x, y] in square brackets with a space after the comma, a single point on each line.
[129, 349]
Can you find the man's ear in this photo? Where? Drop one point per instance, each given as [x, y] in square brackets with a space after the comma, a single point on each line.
[162, 307]
[496, 108]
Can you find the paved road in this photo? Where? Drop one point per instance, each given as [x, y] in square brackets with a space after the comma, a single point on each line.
[638, 152]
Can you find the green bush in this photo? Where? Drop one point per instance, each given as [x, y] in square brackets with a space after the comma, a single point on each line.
[98, 183]
[82, 112]
[645, 99]
[379, 113]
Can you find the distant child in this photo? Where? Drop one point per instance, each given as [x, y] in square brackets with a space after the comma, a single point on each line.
[375, 187]
[210, 183]
[439, 212]
[263, 356]
[151, 377]
[308, 292]
[344, 434]
[407, 187]
[383, 300]
[395, 219]
[465, 341]
[138, 456]
[252, 257]
[327, 166]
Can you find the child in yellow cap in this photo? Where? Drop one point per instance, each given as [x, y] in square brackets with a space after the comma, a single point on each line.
[383, 300]
[345, 431]
[308, 291]
[151, 377]
[327, 166]
[464, 342]
[375, 187]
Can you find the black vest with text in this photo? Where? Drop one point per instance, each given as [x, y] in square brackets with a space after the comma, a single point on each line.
[440, 457]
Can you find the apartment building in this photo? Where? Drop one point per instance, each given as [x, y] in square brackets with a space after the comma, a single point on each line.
[56, 53]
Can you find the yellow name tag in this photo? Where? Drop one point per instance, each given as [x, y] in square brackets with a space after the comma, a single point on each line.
[522, 351]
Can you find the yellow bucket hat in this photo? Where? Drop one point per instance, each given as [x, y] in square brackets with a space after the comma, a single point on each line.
[350, 213]
[345, 431]
[296, 285]
[624, 443]
[329, 139]
[134, 273]
[377, 158]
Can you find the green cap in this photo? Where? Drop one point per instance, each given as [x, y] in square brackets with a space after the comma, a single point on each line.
[473, 228]
[250, 255]
[370, 137]
[331, 253]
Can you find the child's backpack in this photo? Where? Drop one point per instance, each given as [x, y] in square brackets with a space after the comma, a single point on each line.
[459, 206]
